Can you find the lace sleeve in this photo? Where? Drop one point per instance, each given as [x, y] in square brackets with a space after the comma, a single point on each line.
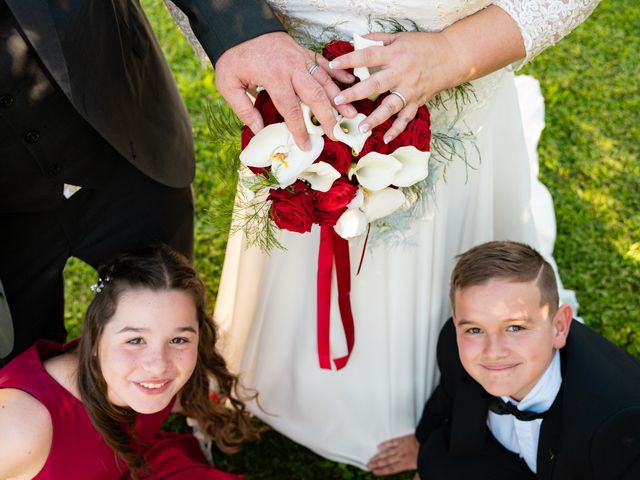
[544, 23]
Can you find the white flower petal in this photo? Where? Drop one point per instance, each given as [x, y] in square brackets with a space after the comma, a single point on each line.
[357, 200]
[309, 118]
[346, 130]
[358, 44]
[287, 166]
[272, 138]
[320, 175]
[352, 223]
[415, 166]
[375, 171]
[382, 203]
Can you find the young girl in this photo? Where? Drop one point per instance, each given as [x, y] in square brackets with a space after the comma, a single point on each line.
[93, 408]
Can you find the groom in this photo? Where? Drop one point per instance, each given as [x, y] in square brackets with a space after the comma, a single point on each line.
[96, 150]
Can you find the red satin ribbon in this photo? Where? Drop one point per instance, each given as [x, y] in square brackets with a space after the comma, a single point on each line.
[332, 246]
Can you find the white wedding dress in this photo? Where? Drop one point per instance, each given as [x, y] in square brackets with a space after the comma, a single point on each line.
[266, 305]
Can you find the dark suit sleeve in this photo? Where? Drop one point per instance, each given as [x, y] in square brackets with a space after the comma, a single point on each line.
[222, 24]
[437, 410]
[615, 449]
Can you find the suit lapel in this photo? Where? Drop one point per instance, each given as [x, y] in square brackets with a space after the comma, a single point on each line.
[551, 431]
[36, 21]
[469, 419]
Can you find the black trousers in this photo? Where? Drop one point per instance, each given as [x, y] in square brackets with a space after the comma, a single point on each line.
[435, 462]
[92, 225]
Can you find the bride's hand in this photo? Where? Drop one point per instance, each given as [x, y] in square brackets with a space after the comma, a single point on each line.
[417, 65]
[396, 455]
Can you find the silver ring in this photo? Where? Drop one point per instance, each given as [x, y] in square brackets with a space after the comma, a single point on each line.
[313, 68]
[400, 96]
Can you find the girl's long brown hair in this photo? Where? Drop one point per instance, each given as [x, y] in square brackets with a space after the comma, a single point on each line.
[159, 268]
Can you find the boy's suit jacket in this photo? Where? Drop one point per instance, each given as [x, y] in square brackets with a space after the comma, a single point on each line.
[592, 430]
[105, 58]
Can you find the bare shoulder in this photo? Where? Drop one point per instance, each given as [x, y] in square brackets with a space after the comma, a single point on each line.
[64, 369]
[25, 434]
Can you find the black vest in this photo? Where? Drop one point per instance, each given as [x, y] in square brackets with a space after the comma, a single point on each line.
[44, 142]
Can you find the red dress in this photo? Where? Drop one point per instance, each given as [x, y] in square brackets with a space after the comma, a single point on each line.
[78, 452]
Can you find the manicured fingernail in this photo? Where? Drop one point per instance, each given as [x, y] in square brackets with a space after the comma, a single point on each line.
[339, 100]
[334, 64]
[386, 139]
[364, 128]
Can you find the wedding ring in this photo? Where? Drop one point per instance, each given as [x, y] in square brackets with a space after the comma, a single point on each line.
[400, 96]
[313, 68]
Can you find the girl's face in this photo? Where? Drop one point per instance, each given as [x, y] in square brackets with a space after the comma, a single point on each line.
[149, 348]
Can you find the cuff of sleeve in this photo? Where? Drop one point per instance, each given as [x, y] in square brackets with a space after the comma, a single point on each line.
[219, 30]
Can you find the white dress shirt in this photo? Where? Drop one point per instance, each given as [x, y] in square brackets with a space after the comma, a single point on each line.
[521, 437]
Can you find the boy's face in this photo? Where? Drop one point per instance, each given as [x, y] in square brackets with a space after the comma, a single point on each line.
[506, 338]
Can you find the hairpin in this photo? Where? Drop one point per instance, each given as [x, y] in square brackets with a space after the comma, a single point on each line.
[97, 287]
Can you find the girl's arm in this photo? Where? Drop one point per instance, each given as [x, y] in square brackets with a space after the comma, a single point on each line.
[25, 435]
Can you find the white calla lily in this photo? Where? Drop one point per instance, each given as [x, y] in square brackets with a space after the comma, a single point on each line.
[415, 166]
[259, 152]
[310, 121]
[352, 223]
[274, 146]
[346, 130]
[375, 171]
[358, 200]
[382, 203]
[358, 44]
[320, 175]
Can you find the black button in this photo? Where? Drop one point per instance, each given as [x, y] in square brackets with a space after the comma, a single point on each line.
[53, 170]
[32, 136]
[6, 100]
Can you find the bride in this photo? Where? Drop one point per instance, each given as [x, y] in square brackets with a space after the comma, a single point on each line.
[267, 303]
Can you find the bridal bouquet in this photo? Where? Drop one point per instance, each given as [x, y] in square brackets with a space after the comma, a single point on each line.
[344, 184]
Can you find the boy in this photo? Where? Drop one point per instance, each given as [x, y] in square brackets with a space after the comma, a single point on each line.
[524, 392]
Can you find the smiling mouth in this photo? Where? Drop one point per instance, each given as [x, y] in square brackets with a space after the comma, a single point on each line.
[153, 385]
[153, 388]
[499, 368]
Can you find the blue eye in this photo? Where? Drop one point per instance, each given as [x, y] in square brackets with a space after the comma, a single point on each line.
[136, 341]
[514, 328]
[474, 330]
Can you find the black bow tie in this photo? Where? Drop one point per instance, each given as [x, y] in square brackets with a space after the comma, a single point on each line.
[499, 406]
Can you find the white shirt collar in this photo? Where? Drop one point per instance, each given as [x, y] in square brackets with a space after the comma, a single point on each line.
[541, 396]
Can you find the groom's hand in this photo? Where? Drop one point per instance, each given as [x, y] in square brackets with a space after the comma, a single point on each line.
[275, 62]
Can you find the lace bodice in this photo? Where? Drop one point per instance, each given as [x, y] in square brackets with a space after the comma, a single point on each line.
[542, 22]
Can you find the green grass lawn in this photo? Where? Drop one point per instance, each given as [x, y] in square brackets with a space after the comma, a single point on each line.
[589, 159]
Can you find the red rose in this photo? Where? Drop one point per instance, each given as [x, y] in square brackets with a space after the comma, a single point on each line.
[328, 219]
[292, 207]
[336, 48]
[338, 196]
[417, 133]
[336, 154]
[363, 106]
[267, 109]
[423, 113]
[246, 136]
[375, 143]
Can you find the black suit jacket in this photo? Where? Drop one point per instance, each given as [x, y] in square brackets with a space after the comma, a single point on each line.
[107, 61]
[592, 430]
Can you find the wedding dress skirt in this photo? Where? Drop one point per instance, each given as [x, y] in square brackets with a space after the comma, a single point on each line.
[266, 306]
